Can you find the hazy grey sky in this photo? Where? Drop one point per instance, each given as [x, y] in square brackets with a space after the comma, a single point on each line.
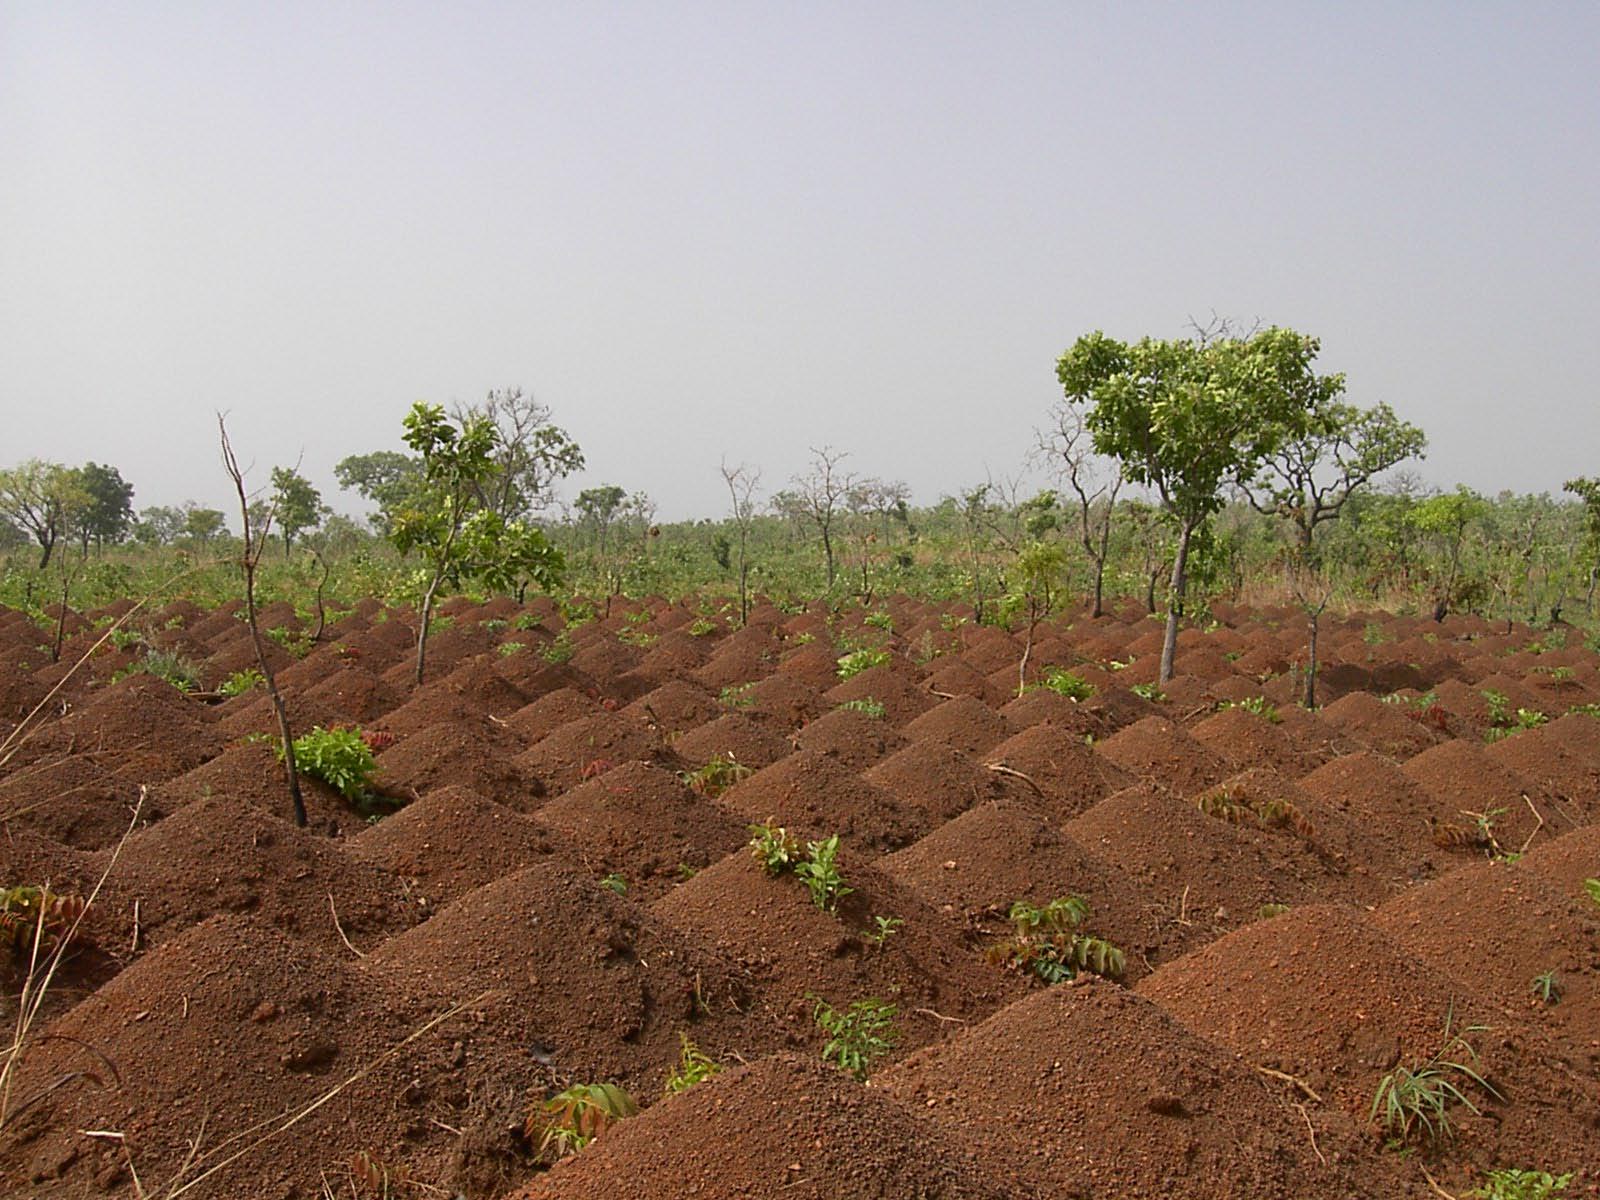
[742, 229]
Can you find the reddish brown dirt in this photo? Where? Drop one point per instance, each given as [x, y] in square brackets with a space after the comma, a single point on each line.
[460, 896]
[1497, 930]
[784, 1127]
[816, 797]
[450, 842]
[641, 823]
[1063, 775]
[853, 739]
[587, 749]
[942, 782]
[965, 724]
[796, 952]
[1381, 1007]
[1121, 1100]
[751, 745]
[1378, 726]
[1159, 752]
[1241, 739]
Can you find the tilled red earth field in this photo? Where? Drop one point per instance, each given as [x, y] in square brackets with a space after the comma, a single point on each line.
[1307, 903]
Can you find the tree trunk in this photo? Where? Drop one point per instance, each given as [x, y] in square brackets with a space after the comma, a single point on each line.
[427, 619]
[1099, 588]
[46, 545]
[1180, 585]
[1311, 663]
[1150, 589]
[827, 553]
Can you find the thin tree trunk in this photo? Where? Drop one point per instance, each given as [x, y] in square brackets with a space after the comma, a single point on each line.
[427, 619]
[1311, 662]
[1180, 584]
[827, 553]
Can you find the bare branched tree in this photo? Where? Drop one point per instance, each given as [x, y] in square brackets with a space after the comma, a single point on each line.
[253, 541]
[742, 482]
[822, 493]
[1094, 481]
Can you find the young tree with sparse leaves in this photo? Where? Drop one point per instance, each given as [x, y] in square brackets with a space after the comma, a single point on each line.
[297, 504]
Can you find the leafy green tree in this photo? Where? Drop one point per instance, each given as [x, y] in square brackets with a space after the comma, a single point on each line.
[386, 478]
[1186, 416]
[1587, 491]
[106, 512]
[1443, 521]
[597, 508]
[446, 522]
[1038, 580]
[158, 525]
[203, 525]
[42, 499]
[296, 504]
[1309, 478]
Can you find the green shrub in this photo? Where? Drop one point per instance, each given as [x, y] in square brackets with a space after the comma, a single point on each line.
[340, 758]
[164, 664]
[1511, 1183]
[858, 1036]
[774, 847]
[857, 661]
[867, 705]
[1046, 943]
[507, 649]
[241, 682]
[1066, 683]
[559, 649]
[819, 871]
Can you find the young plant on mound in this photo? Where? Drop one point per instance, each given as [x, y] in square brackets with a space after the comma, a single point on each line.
[1269, 814]
[1513, 1183]
[694, 1066]
[571, 1119]
[342, 759]
[857, 1036]
[35, 920]
[1591, 888]
[1047, 944]
[857, 661]
[715, 776]
[776, 849]
[1066, 683]
[1413, 1102]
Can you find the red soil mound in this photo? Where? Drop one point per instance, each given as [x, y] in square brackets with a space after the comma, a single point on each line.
[816, 797]
[1157, 751]
[1466, 782]
[816, 666]
[252, 775]
[948, 677]
[940, 781]
[591, 981]
[1268, 992]
[1567, 861]
[1379, 726]
[217, 856]
[1201, 875]
[965, 724]
[853, 739]
[252, 714]
[752, 745]
[674, 707]
[549, 713]
[478, 683]
[639, 822]
[1391, 809]
[228, 1028]
[1573, 780]
[1575, 733]
[989, 649]
[797, 951]
[1243, 740]
[783, 1128]
[76, 801]
[785, 700]
[141, 729]
[1040, 705]
[451, 754]
[733, 665]
[452, 841]
[976, 866]
[587, 749]
[903, 698]
[1496, 930]
[355, 695]
[1064, 776]
[1121, 1100]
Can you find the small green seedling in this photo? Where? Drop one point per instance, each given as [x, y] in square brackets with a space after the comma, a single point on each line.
[1046, 943]
[241, 682]
[570, 1120]
[883, 928]
[1591, 888]
[1547, 986]
[1148, 691]
[614, 882]
[736, 696]
[867, 706]
[716, 776]
[1066, 683]
[857, 661]
[819, 871]
[693, 1067]
[858, 1036]
[1513, 1183]
[774, 847]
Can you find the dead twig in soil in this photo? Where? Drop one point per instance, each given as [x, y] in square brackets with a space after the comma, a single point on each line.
[1434, 1183]
[1012, 773]
[339, 929]
[928, 1012]
[1312, 1131]
[1297, 1083]
[1537, 817]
